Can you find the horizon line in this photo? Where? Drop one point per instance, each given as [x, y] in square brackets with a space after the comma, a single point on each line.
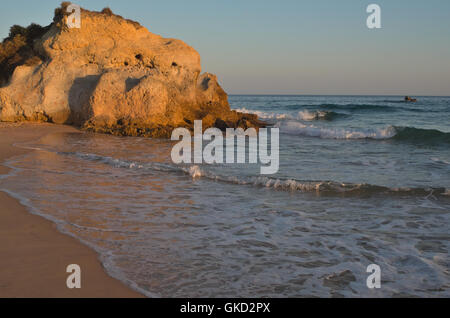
[391, 95]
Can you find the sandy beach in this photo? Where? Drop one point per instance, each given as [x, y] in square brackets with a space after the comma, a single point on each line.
[34, 255]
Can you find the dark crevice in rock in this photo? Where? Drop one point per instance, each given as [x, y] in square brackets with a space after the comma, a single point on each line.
[130, 83]
[79, 95]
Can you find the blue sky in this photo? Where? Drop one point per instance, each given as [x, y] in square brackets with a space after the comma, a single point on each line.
[293, 46]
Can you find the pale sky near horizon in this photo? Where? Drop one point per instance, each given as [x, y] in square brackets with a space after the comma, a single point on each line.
[293, 46]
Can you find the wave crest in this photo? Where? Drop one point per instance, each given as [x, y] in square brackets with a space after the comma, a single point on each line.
[319, 187]
[296, 128]
[318, 115]
[305, 115]
[405, 134]
[265, 115]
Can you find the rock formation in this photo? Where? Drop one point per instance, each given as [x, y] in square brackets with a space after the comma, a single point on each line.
[111, 75]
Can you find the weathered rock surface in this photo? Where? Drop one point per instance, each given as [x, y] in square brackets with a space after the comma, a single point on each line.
[112, 75]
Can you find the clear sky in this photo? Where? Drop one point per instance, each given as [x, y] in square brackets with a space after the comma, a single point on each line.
[293, 46]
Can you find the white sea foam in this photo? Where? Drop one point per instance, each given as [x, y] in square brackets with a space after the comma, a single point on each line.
[304, 115]
[331, 187]
[264, 115]
[130, 272]
[296, 128]
[197, 172]
[307, 115]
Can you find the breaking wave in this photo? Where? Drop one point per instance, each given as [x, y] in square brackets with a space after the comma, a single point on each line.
[406, 134]
[265, 115]
[304, 115]
[318, 115]
[323, 187]
[296, 128]
[292, 185]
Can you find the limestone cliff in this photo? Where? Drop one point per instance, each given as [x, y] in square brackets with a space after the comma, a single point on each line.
[112, 75]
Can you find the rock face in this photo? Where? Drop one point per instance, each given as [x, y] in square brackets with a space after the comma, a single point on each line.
[112, 75]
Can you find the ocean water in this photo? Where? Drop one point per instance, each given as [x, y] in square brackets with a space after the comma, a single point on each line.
[362, 180]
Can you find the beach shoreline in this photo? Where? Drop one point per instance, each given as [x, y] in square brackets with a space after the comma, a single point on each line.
[34, 254]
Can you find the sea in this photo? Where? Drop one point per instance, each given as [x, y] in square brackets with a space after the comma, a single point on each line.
[362, 180]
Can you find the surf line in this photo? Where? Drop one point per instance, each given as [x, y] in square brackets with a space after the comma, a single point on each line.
[213, 152]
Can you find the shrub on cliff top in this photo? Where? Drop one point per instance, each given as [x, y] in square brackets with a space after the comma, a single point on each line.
[30, 33]
[17, 49]
[107, 11]
[61, 11]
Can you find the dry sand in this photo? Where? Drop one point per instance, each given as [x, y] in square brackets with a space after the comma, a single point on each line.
[33, 254]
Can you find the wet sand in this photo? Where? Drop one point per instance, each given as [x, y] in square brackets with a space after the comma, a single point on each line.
[33, 254]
